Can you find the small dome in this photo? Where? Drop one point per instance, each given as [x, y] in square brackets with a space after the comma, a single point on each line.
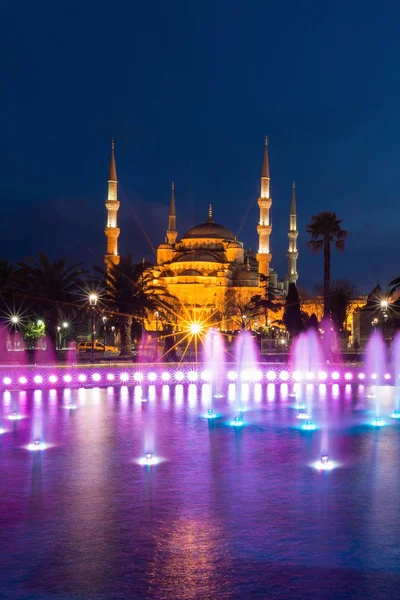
[210, 230]
[235, 244]
[165, 246]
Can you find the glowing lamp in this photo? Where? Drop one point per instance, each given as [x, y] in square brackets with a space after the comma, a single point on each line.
[297, 376]
[110, 376]
[374, 376]
[179, 376]
[310, 376]
[192, 376]
[284, 375]
[38, 379]
[195, 328]
[256, 375]
[387, 376]
[7, 381]
[165, 376]
[361, 376]
[81, 377]
[206, 375]
[324, 459]
[125, 376]
[348, 376]
[148, 456]
[322, 375]
[67, 378]
[271, 375]
[137, 376]
[232, 375]
[22, 380]
[152, 376]
[335, 375]
[53, 378]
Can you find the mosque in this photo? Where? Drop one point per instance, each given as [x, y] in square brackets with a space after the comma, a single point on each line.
[207, 269]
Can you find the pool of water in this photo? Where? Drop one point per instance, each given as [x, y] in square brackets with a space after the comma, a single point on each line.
[227, 513]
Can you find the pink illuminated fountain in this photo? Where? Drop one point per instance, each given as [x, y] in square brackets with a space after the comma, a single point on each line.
[214, 361]
[375, 367]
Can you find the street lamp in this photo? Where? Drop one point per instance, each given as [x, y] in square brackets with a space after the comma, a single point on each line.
[40, 323]
[92, 302]
[104, 331]
[14, 319]
[59, 338]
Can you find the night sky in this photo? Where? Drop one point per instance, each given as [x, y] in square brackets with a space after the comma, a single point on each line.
[189, 89]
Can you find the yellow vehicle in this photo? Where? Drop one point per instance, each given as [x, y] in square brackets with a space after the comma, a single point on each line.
[99, 348]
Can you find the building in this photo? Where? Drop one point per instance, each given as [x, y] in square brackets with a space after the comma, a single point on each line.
[207, 268]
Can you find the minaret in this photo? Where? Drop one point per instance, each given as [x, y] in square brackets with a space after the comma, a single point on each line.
[264, 225]
[172, 233]
[292, 275]
[112, 206]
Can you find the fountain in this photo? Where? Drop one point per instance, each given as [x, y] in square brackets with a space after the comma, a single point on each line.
[396, 375]
[306, 356]
[375, 367]
[214, 360]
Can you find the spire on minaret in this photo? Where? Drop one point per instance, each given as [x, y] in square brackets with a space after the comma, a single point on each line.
[112, 174]
[264, 225]
[293, 204]
[172, 233]
[292, 275]
[265, 167]
[210, 217]
[112, 206]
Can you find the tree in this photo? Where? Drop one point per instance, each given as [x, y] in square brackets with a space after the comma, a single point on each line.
[325, 230]
[313, 322]
[342, 293]
[265, 302]
[52, 287]
[130, 295]
[292, 317]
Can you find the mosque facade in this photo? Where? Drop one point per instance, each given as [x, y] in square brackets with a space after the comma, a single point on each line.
[207, 269]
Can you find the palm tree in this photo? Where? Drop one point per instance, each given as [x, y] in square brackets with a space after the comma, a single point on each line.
[325, 229]
[395, 285]
[52, 288]
[130, 295]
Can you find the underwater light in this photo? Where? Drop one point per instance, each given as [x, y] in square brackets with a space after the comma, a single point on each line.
[297, 376]
[348, 376]
[325, 464]
[110, 376]
[149, 460]
[137, 376]
[67, 378]
[7, 381]
[232, 375]
[236, 422]
[15, 417]
[374, 376]
[378, 422]
[335, 375]
[23, 380]
[322, 375]
[284, 375]
[38, 379]
[308, 426]
[96, 376]
[165, 376]
[310, 376]
[152, 376]
[125, 376]
[179, 376]
[37, 446]
[53, 378]
[82, 377]
[303, 415]
[271, 375]
[192, 376]
[395, 414]
[210, 414]
[361, 376]
[324, 459]
[206, 376]
[387, 376]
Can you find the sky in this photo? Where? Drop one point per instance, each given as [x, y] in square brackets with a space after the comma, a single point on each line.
[189, 90]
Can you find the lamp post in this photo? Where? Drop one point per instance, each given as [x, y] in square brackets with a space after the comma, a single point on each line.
[59, 337]
[65, 327]
[93, 301]
[104, 331]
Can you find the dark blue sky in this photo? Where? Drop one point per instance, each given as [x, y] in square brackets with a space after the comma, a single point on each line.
[189, 90]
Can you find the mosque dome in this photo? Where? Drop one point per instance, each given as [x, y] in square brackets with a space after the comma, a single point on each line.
[210, 230]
